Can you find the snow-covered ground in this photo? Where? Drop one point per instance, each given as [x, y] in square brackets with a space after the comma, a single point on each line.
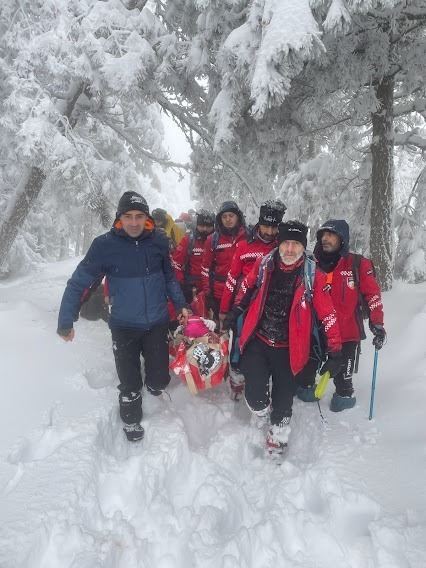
[197, 492]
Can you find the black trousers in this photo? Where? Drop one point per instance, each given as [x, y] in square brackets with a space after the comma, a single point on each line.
[343, 380]
[258, 363]
[127, 346]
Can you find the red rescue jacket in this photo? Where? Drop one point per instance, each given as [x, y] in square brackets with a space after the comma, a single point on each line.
[217, 257]
[345, 296]
[300, 322]
[186, 260]
[246, 254]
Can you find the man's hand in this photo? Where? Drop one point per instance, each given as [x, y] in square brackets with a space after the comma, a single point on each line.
[230, 319]
[333, 364]
[66, 334]
[379, 335]
[183, 315]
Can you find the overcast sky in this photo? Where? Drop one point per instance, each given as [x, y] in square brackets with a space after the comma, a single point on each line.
[179, 151]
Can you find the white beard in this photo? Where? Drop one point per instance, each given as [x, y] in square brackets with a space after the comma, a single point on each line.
[289, 262]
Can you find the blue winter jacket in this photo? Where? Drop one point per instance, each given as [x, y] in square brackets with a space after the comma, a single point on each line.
[139, 275]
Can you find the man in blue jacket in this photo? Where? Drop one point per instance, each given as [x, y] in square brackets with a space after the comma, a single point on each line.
[134, 257]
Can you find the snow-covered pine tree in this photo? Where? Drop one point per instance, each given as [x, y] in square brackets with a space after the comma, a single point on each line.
[72, 117]
[339, 66]
[410, 259]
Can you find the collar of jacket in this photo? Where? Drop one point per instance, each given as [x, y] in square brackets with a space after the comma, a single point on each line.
[327, 261]
[117, 229]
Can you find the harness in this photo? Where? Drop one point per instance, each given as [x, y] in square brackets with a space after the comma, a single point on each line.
[319, 341]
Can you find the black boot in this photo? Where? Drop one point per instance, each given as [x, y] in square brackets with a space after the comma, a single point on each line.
[134, 432]
[130, 407]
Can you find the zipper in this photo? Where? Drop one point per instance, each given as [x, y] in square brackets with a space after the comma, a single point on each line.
[143, 283]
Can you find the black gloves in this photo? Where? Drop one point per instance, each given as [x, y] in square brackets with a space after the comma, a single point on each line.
[231, 317]
[379, 335]
[333, 364]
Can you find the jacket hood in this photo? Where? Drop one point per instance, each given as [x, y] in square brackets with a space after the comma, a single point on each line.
[341, 228]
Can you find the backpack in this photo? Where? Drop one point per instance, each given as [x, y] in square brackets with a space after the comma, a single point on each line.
[362, 309]
[319, 341]
[93, 305]
[363, 304]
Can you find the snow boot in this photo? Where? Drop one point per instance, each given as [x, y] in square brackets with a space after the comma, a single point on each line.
[260, 418]
[277, 438]
[134, 432]
[130, 407]
[339, 403]
[307, 394]
[154, 392]
[236, 383]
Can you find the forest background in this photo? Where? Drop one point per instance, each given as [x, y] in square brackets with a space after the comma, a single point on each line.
[321, 103]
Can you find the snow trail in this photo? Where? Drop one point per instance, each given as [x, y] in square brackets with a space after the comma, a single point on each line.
[198, 490]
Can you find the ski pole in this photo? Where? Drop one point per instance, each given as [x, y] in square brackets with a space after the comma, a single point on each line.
[373, 384]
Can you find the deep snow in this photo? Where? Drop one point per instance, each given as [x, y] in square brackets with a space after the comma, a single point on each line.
[198, 492]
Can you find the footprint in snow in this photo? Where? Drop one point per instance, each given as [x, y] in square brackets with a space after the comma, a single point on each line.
[40, 447]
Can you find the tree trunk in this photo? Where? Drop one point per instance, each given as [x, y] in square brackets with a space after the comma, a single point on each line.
[78, 238]
[87, 230]
[31, 186]
[64, 247]
[382, 199]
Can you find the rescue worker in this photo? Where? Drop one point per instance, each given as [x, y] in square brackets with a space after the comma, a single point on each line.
[352, 283]
[261, 240]
[164, 222]
[276, 337]
[219, 251]
[187, 258]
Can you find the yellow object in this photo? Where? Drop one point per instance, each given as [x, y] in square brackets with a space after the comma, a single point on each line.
[322, 385]
[174, 232]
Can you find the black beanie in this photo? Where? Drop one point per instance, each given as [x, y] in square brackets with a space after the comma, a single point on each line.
[293, 231]
[129, 201]
[271, 213]
[205, 217]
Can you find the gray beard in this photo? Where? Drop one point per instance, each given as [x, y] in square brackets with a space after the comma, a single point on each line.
[290, 262]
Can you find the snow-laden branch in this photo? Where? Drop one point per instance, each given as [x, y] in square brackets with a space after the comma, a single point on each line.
[136, 145]
[411, 138]
[204, 135]
[413, 106]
